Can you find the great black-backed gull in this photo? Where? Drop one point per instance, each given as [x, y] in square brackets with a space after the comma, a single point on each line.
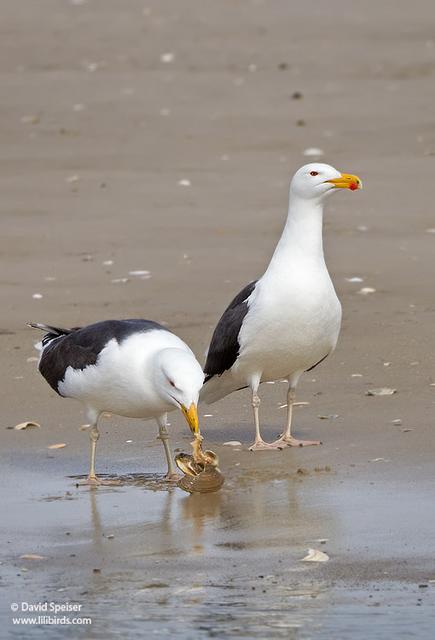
[132, 368]
[288, 321]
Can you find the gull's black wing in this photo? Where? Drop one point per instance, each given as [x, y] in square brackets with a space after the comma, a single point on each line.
[224, 345]
[79, 348]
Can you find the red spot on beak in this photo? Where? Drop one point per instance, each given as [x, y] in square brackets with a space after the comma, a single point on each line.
[353, 186]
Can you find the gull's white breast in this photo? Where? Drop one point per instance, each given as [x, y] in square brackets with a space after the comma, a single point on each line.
[293, 322]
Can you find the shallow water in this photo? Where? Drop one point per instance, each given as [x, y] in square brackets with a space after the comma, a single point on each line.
[224, 565]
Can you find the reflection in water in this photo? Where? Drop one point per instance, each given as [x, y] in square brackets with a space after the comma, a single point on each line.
[201, 510]
[97, 531]
[255, 585]
[257, 514]
[265, 514]
[223, 564]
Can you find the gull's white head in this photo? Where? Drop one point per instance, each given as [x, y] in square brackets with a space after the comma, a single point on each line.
[178, 380]
[315, 180]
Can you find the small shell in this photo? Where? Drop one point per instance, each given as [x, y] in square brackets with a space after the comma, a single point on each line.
[314, 555]
[382, 391]
[209, 481]
[313, 151]
[61, 445]
[26, 425]
[139, 272]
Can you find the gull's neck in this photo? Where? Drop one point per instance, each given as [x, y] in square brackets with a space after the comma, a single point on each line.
[301, 240]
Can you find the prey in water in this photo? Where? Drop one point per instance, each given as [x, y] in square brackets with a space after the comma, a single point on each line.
[202, 474]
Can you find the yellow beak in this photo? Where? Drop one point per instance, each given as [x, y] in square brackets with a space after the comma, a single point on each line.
[346, 181]
[191, 416]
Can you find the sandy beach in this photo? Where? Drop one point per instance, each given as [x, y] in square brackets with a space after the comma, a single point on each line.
[160, 137]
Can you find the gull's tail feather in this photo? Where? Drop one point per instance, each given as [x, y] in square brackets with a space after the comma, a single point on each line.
[51, 333]
[57, 331]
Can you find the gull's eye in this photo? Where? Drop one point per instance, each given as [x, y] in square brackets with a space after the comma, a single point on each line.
[314, 173]
[171, 383]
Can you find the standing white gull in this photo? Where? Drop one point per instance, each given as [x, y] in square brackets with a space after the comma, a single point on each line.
[132, 368]
[288, 321]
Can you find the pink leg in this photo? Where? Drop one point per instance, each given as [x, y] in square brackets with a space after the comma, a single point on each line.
[259, 443]
[286, 439]
[171, 474]
[93, 480]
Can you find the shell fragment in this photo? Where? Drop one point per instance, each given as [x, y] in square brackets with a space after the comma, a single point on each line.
[381, 391]
[27, 425]
[314, 555]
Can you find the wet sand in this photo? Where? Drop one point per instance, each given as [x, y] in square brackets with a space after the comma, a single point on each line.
[97, 133]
